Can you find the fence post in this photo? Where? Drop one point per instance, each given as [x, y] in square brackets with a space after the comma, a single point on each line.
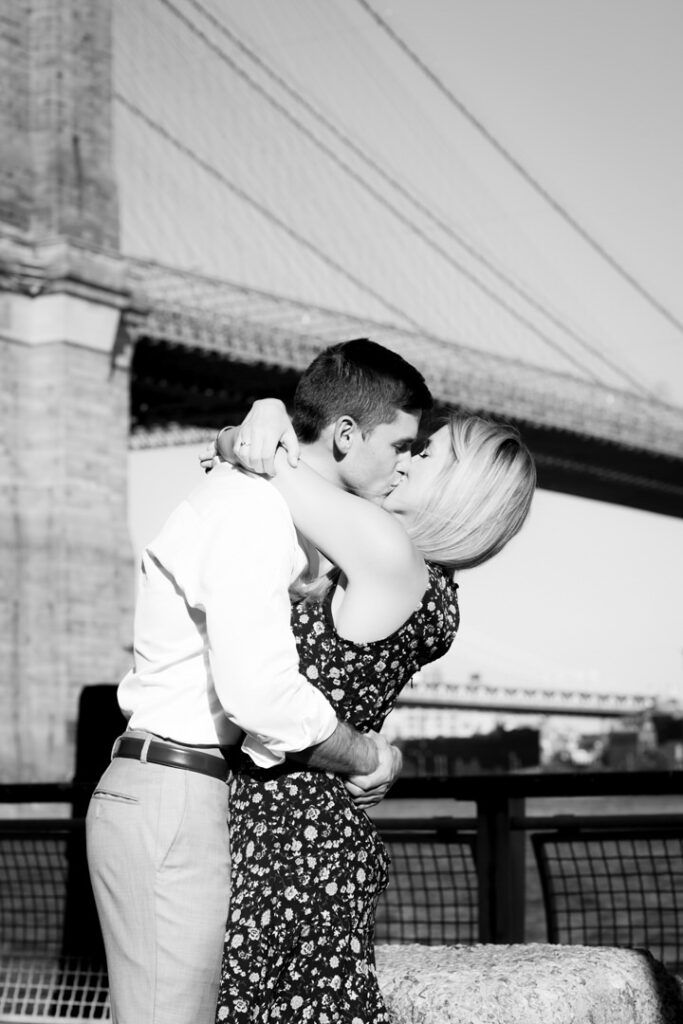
[500, 868]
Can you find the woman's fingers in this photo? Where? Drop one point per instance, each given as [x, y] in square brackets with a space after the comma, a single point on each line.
[290, 442]
[208, 457]
[265, 427]
[256, 452]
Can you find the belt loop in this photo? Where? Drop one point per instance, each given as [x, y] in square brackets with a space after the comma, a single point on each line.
[145, 748]
[115, 747]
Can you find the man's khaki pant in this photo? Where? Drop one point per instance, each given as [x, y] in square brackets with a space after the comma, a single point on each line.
[159, 859]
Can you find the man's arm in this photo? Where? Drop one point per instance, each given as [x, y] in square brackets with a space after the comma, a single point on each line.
[247, 564]
[367, 757]
[368, 788]
[366, 785]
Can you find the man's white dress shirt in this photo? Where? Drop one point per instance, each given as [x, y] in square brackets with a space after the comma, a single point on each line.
[214, 649]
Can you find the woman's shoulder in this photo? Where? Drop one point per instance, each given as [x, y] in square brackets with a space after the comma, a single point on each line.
[433, 621]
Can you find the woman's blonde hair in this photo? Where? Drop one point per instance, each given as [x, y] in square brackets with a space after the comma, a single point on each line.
[481, 498]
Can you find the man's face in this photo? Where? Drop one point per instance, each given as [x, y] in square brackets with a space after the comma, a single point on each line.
[373, 463]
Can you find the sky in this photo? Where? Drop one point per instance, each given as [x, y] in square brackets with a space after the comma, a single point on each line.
[587, 96]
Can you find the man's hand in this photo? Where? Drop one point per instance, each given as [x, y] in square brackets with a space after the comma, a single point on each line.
[265, 428]
[368, 790]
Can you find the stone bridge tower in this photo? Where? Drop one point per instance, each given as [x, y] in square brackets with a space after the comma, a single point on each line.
[65, 557]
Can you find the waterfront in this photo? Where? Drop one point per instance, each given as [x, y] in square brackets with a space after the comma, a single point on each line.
[600, 806]
[425, 882]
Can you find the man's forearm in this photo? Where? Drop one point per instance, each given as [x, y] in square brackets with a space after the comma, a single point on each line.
[346, 751]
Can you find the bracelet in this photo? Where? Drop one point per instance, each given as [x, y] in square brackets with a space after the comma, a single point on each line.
[222, 431]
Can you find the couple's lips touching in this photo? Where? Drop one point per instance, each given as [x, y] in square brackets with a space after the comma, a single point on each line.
[390, 490]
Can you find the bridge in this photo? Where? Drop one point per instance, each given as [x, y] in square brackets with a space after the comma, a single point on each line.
[183, 226]
[199, 363]
[478, 696]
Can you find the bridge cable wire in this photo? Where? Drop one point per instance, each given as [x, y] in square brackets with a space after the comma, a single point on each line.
[265, 211]
[519, 289]
[383, 201]
[533, 182]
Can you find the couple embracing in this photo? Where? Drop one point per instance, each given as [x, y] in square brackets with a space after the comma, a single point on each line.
[281, 609]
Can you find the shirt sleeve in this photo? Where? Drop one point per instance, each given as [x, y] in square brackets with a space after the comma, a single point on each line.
[246, 567]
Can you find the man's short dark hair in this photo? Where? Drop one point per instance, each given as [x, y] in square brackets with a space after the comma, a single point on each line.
[356, 378]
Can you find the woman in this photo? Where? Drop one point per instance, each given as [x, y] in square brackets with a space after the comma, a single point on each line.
[308, 865]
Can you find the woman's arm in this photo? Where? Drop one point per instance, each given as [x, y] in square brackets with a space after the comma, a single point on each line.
[386, 575]
[355, 534]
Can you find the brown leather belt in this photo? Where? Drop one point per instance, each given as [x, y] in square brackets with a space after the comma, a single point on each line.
[172, 756]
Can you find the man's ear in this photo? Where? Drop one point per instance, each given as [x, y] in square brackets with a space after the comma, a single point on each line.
[345, 430]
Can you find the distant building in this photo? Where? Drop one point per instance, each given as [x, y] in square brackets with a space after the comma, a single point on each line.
[501, 750]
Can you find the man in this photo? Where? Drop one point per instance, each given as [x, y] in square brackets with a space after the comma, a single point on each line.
[215, 658]
[358, 436]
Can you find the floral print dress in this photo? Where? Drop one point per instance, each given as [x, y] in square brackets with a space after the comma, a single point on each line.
[308, 866]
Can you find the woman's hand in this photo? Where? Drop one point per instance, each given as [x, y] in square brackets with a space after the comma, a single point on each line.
[209, 457]
[265, 428]
[221, 449]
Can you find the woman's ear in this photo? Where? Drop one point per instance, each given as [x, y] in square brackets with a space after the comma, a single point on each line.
[345, 429]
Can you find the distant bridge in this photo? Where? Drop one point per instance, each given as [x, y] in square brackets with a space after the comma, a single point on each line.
[525, 700]
[204, 349]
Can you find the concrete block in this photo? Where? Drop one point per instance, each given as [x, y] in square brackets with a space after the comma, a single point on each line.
[527, 984]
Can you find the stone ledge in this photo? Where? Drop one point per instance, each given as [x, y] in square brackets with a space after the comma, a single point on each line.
[527, 984]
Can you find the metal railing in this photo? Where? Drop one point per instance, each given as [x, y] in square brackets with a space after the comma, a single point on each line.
[432, 893]
[51, 955]
[46, 902]
[606, 880]
[502, 825]
[614, 887]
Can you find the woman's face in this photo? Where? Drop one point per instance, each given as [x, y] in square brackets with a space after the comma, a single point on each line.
[421, 475]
